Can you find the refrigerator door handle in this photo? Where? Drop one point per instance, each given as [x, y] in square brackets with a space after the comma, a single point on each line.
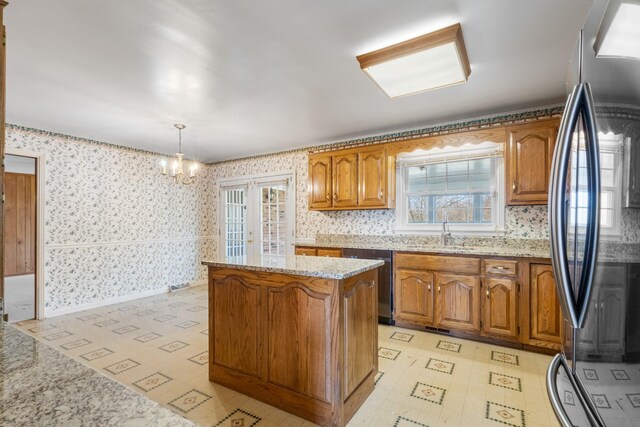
[552, 390]
[574, 306]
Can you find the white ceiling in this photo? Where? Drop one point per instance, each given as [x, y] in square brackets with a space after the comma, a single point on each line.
[250, 77]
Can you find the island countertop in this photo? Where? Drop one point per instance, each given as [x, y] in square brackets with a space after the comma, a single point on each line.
[311, 266]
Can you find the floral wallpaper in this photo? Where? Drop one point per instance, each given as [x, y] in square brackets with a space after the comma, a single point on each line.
[113, 225]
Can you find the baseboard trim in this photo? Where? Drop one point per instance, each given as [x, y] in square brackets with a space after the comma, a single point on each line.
[103, 303]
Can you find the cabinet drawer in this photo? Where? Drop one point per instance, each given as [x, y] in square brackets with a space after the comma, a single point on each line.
[438, 263]
[306, 251]
[503, 267]
[336, 253]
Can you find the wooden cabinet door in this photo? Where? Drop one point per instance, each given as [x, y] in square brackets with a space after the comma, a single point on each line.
[19, 224]
[529, 154]
[345, 180]
[611, 318]
[306, 251]
[414, 296]
[545, 321]
[458, 302]
[500, 307]
[320, 187]
[372, 178]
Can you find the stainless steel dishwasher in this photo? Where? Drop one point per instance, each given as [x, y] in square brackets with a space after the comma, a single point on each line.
[385, 280]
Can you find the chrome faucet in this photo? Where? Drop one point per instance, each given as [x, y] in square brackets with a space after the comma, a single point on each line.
[444, 237]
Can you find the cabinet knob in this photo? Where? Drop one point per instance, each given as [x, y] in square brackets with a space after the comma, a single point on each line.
[335, 197]
[438, 288]
[487, 293]
[328, 197]
[429, 286]
[380, 195]
[514, 186]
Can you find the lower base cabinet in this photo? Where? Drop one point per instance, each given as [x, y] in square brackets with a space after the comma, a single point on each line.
[506, 300]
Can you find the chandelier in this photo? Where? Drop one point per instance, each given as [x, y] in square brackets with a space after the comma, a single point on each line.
[178, 164]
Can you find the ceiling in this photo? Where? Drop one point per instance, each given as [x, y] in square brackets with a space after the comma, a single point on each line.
[251, 77]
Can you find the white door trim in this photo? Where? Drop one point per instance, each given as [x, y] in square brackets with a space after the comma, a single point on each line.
[40, 216]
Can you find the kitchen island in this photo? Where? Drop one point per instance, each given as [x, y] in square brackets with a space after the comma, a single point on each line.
[299, 333]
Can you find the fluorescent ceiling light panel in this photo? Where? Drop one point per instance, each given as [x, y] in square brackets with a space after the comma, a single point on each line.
[427, 62]
[619, 32]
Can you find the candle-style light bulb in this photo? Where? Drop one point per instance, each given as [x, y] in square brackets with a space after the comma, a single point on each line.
[163, 164]
[192, 169]
[174, 168]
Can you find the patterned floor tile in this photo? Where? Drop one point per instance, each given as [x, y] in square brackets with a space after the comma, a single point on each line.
[620, 374]
[205, 332]
[143, 313]
[200, 358]
[165, 318]
[440, 366]
[601, 401]
[75, 344]
[509, 358]
[89, 317]
[187, 324]
[107, 322]
[42, 328]
[57, 336]
[188, 401]
[406, 422]
[505, 381]
[96, 354]
[177, 304]
[388, 353]
[634, 398]
[239, 418]
[121, 366]
[379, 376]
[505, 414]
[448, 346]
[429, 393]
[152, 382]
[148, 337]
[590, 374]
[401, 336]
[196, 309]
[125, 329]
[128, 308]
[173, 346]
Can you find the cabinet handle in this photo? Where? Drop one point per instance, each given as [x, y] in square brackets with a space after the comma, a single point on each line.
[487, 293]
[328, 197]
[380, 195]
[514, 186]
[438, 288]
[429, 286]
[335, 197]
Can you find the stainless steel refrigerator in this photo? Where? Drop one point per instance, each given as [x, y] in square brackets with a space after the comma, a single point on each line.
[594, 220]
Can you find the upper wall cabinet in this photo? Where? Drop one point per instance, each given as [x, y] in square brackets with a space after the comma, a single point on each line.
[529, 152]
[359, 178]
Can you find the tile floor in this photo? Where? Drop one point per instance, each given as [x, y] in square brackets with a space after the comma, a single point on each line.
[20, 297]
[158, 347]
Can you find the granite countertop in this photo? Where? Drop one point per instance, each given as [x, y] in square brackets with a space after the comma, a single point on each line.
[518, 251]
[312, 266]
[40, 386]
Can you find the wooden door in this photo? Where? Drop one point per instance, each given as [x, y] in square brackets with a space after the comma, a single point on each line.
[320, 182]
[236, 324]
[458, 301]
[20, 224]
[545, 321]
[611, 319]
[529, 155]
[345, 180]
[414, 296]
[372, 178]
[299, 340]
[500, 307]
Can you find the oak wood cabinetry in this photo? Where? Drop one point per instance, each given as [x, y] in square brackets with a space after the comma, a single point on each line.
[312, 251]
[19, 224]
[508, 300]
[307, 345]
[356, 178]
[528, 156]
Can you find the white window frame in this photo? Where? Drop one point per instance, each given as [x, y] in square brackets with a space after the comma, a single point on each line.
[252, 236]
[448, 154]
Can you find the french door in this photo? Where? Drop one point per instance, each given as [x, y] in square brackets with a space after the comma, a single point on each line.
[257, 216]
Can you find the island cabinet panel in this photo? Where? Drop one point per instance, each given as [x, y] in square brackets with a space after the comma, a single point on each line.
[361, 332]
[299, 340]
[307, 345]
[237, 328]
[414, 296]
[529, 154]
[320, 190]
[345, 180]
[546, 314]
[500, 307]
[372, 180]
[458, 301]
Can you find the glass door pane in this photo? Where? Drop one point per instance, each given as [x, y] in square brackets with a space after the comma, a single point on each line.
[235, 224]
[273, 219]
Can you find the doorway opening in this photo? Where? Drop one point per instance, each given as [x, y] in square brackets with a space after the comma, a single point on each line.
[20, 238]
